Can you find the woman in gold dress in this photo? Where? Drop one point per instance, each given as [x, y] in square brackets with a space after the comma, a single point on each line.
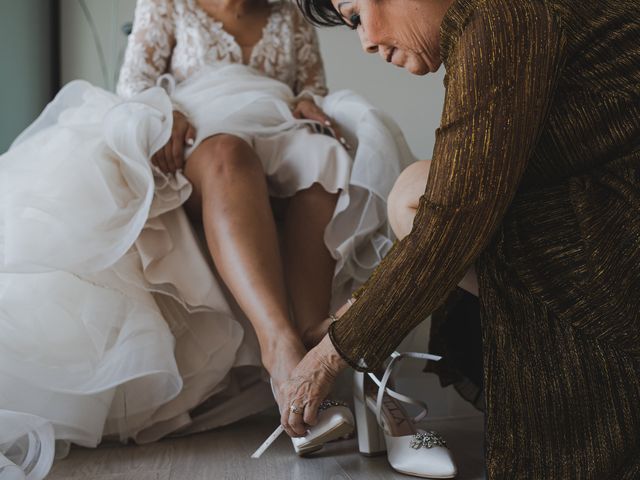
[534, 181]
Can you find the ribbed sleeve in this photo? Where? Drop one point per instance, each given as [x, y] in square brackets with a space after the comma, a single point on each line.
[503, 60]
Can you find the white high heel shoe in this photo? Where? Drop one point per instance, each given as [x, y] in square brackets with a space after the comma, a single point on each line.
[383, 425]
[335, 421]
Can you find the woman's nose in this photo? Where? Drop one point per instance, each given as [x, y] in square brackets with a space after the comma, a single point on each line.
[367, 45]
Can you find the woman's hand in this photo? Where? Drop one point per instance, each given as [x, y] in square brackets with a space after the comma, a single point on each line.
[170, 158]
[309, 384]
[307, 109]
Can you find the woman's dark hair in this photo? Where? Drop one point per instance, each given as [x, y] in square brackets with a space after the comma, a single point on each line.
[320, 12]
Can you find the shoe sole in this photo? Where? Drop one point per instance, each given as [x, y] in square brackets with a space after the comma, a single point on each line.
[373, 454]
[335, 433]
[421, 476]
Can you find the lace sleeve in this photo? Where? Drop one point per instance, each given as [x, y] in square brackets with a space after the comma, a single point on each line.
[309, 68]
[149, 48]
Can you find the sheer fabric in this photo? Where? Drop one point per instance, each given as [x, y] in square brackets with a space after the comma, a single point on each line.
[113, 320]
[180, 38]
[131, 334]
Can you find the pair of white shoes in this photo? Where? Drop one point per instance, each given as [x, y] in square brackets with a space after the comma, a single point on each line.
[383, 425]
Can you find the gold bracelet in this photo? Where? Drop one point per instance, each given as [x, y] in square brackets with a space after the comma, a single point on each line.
[333, 317]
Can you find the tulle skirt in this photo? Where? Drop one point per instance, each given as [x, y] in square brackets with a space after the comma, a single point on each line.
[113, 322]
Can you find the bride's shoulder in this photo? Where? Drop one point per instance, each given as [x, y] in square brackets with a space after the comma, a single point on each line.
[289, 11]
[284, 7]
[162, 8]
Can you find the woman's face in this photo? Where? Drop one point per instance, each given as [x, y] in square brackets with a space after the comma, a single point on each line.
[405, 33]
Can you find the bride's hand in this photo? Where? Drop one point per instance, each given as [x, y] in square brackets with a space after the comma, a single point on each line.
[309, 384]
[307, 109]
[170, 158]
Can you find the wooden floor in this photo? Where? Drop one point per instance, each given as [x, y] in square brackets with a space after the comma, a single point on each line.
[224, 454]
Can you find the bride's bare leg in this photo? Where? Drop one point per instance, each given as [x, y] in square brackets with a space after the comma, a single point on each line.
[230, 196]
[309, 267]
[402, 206]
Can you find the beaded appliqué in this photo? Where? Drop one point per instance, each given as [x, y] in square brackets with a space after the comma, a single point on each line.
[428, 439]
[180, 38]
[330, 403]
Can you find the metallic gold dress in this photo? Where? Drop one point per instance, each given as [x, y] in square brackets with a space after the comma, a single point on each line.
[536, 179]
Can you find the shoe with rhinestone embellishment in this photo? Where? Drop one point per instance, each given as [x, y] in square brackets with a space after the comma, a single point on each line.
[383, 425]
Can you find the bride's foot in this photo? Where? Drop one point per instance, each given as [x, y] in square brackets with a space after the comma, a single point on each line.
[335, 420]
[312, 336]
[280, 360]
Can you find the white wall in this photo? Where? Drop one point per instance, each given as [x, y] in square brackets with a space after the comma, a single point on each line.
[414, 102]
[25, 68]
[80, 55]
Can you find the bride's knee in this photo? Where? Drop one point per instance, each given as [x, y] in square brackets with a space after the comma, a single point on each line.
[397, 213]
[405, 195]
[224, 154]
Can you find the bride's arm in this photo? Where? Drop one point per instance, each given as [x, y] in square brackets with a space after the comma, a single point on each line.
[149, 48]
[310, 78]
[148, 52]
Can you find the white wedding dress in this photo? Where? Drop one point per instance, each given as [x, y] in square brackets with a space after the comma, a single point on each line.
[112, 320]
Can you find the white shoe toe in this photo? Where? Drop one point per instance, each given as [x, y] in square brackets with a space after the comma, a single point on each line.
[435, 462]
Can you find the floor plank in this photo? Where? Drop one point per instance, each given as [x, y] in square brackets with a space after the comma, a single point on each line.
[224, 454]
[117, 462]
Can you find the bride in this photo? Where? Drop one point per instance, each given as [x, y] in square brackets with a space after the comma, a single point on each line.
[145, 281]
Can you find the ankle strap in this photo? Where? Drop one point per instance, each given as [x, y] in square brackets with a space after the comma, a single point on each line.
[396, 357]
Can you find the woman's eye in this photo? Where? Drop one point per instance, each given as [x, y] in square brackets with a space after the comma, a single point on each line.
[354, 21]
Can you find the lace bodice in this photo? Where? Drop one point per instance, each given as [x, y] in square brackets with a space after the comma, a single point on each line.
[179, 37]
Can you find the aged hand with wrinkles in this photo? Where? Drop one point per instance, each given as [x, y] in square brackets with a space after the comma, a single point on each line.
[309, 384]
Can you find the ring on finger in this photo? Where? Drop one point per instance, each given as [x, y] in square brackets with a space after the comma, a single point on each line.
[296, 410]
